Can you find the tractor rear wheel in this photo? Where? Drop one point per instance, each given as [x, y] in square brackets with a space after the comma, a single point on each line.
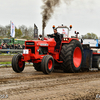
[17, 63]
[37, 66]
[71, 55]
[47, 64]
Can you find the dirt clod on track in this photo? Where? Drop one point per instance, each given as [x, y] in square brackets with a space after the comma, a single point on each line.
[33, 85]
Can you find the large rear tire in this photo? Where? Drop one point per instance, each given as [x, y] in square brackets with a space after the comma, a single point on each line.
[17, 63]
[47, 64]
[71, 55]
[37, 66]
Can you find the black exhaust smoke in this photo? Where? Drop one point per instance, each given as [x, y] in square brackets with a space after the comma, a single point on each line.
[48, 10]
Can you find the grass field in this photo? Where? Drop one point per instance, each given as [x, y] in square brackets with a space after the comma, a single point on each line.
[5, 63]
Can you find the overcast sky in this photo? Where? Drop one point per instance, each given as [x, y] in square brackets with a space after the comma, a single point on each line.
[84, 15]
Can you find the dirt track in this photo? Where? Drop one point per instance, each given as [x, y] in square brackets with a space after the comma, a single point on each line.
[5, 58]
[32, 85]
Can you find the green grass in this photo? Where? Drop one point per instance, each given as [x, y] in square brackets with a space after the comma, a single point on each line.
[5, 66]
[5, 54]
[5, 62]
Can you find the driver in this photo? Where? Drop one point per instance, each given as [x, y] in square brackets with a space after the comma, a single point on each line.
[57, 38]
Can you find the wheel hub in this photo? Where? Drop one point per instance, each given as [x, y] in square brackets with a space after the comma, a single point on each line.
[77, 57]
[20, 63]
[50, 64]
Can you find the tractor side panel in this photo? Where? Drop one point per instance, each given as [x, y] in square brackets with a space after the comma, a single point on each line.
[51, 49]
[87, 58]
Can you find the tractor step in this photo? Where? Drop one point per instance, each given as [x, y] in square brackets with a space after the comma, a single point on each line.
[93, 69]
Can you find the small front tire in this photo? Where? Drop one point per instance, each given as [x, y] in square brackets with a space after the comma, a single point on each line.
[17, 63]
[47, 64]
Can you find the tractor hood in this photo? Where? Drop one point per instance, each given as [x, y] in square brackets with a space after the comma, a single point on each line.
[44, 43]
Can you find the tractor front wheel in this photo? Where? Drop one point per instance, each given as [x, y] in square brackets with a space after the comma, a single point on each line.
[47, 64]
[17, 63]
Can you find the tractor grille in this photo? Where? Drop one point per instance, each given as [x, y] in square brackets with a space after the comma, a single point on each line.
[29, 43]
[32, 49]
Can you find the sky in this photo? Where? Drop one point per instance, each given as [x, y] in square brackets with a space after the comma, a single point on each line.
[83, 15]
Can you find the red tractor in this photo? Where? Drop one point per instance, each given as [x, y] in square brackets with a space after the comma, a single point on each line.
[44, 57]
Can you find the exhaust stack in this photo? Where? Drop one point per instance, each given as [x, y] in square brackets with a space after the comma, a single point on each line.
[43, 34]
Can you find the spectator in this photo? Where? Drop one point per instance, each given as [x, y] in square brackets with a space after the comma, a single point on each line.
[4, 46]
[16, 46]
[0, 46]
[23, 46]
[19, 46]
[7, 46]
[12, 46]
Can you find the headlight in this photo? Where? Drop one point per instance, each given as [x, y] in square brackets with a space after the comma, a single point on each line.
[64, 39]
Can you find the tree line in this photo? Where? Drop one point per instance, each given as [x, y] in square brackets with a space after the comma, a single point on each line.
[25, 32]
[90, 36]
[20, 32]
